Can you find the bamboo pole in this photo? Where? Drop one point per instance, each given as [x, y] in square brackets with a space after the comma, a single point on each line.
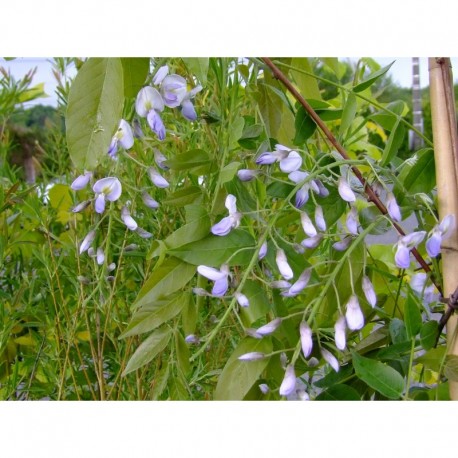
[446, 157]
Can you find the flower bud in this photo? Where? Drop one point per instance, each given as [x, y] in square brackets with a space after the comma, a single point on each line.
[354, 315]
[330, 359]
[339, 329]
[393, 207]
[319, 218]
[86, 243]
[345, 191]
[283, 266]
[252, 356]
[369, 292]
[242, 299]
[269, 328]
[289, 381]
[306, 339]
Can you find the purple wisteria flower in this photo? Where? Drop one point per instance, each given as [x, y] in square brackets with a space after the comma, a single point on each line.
[269, 328]
[229, 222]
[124, 136]
[368, 289]
[242, 299]
[283, 266]
[291, 162]
[160, 159]
[440, 232]
[247, 174]
[157, 179]
[312, 242]
[262, 251]
[100, 256]
[173, 90]
[81, 181]
[319, 218]
[404, 245]
[148, 105]
[306, 339]
[307, 225]
[345, 191]
[288, 384]
[418, 284]
[330, 359]
[339, 335]
[220, 277]
[393, 208]
[264, 388]
[127, 219]
[149, 201]
[87, 241]
[299, 285]
[187, 108]
[342, 244]
[352, 221]
[107, 188]
[161, 73]
[252, 356]
[354, 314]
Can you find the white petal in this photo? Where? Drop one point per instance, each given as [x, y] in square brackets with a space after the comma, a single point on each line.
[345, 191]
[307, 225]
[289, 381]
[369, 292]
[354, 315]
[110, 187]
[306, 339]
[339, 329]
[230, 204]
[330, 359]
[210, 272]
[270, 327]
[283, 265]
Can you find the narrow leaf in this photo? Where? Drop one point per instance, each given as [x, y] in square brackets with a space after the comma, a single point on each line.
[372, 78]
[148, 349]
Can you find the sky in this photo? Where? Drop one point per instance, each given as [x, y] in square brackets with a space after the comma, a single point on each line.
[401, 72]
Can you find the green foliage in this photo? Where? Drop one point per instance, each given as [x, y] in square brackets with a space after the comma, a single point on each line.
[141, 323]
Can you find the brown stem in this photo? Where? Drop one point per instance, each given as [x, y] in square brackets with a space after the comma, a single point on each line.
[371, 195]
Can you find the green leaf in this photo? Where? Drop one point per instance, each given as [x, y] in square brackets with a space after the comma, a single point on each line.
[412, 317]
[238, 377]
[33, 93]
[149, 349]
[387, 120]
[259, 303]
[418, 174]
[339, 393]
[189, 160]
[160, 381]
[393, 143]
[169, 277]
[348, 114]
[155, 314]
[196, 228]
[228, 172]
[305, 126]
[378, 376]
[135, 71]
[451, 368]
[182, 352]
[428, 334]
[307, 85]
[94, 110]
[185, 196]
[198, 66]
[433, 359]
[215, 250]
[372, 78]
[398, 331]
[235, 132]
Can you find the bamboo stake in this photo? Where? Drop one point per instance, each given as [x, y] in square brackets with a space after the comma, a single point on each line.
[446, 158]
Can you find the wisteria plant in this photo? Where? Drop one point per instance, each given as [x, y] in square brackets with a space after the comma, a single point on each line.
[228, 232]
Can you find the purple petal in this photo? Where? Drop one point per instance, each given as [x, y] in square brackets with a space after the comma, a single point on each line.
[393, 208]
[289, 381]
[307, 225]
[223, 227]
[266, 159]
[433, 244]
[339, 335]
[319, 218]
[402, 257]
[306, 339]
[220, 287]
[157, 179]
[302, 196]
[368, 289]
[156, 124]
[354, 315]
[81, 182]
[283, 266]
[270, 327]
[100, 203]
[291, 163]
[188, 111]
[252, 356]
[345, 191]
